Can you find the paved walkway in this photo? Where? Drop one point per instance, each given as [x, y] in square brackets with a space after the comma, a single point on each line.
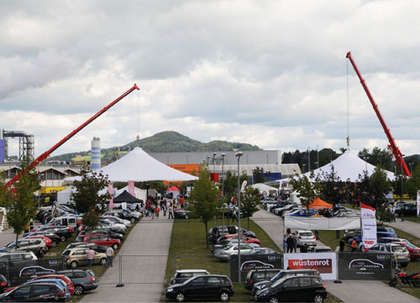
[409, 227]
[348, 291]
[143, 256]
[7, 236]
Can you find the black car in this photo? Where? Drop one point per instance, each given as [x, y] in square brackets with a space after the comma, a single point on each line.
[181, 213]
[258, 275]
[215, 232]
[83, 280]
[211, 287]
[294, 288]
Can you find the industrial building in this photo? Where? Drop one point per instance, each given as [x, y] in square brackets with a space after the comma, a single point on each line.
[268, 160]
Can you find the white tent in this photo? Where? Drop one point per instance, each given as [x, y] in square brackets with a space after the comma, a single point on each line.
[137, 165]
[347, 167]
[263, 187]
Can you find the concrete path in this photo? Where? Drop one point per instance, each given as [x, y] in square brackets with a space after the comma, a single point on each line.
[7, 236]
[348, 291]
[409, 227]
[143, 257]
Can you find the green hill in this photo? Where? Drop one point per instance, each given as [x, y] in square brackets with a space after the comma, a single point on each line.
[167, 141]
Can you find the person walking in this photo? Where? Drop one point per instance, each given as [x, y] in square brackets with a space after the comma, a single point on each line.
[90, 256]
[157, 211]
[109, 256]
[170, 212]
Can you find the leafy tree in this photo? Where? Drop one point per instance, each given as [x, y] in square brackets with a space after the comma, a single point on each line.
[258, 175]
[86, 196]
[20, 203]
[413, 184]
[379, 186]
[378, 157]
[204, 198]
[330, 186]
[307, 190]
[249, 202]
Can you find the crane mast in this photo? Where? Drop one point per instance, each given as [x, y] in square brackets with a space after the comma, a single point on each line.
[45, 154]
[392, 145]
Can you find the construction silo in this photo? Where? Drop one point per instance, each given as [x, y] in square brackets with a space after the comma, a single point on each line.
[95, 154]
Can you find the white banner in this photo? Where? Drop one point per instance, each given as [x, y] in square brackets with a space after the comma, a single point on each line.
[418, 203]
[368, 217]
[325, 263]
[322, 223]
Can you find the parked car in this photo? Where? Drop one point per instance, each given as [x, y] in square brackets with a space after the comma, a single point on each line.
[78, 257]
[294, 288]
[4, 283]
[14, 261]
[258, 275]
[62, 277]
[209, 287]
[37, 246]
[281, 274]
[117, 219]
[413, 250]
[180, 213]
[400, 253]
[95, 247]
[103, 241]
[54, 237]
[215, 232]
[37, 292]
[30, 272]
[83, 280]
[305, 238]
[226, 253]
[183, 275]
[48, 242]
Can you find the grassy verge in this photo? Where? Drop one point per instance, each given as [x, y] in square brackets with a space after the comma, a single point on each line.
[413, 219]
[188, 250]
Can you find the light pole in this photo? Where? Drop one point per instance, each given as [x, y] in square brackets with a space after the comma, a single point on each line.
[214, 162]
[223, 176]
[238, 155]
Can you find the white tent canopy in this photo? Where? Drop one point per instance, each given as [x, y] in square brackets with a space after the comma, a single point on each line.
[263, 187]
[137, 165]
[347, 167]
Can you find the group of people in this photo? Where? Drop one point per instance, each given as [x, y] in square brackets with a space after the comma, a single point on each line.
[165, 206]
[290, 241]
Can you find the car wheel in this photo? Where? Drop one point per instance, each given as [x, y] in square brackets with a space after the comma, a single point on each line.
[180, 297]
[224, 297]
[186, 217]
[318, 299]
[73, 264]
[103, 261]
[63, 239]
[133, 220]
[78, 290]
[115, 246]
[274, 300]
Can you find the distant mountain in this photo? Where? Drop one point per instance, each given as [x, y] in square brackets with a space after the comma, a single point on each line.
[167, 141]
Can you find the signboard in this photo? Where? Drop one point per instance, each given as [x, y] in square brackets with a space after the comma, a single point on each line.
[249, 262]
[325, 263]
[365, 266]
[418, 203]
[368, 220]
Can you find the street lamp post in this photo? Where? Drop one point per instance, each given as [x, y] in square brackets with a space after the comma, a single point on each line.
[238, 156]
[223, 176]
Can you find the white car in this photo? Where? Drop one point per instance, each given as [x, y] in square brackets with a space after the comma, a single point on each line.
[225, 254]
[116, 219]
[305, 237]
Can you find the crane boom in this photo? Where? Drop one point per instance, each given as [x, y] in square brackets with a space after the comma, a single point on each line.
[45, 154]
[392, 145]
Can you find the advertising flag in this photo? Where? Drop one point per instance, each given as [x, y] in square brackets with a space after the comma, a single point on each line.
[368, 218]
[418, 203]
[111, 193]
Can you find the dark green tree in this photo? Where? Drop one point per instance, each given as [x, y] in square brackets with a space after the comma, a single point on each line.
[378, 157]
[250, 200]
[86, 196]
[20, 203]
[307, 190]
[204, 199]
[330, 186]
[413, 184]
[258, 175]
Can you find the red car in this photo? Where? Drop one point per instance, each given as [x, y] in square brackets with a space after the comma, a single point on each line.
[244, 239]
[47, 240]
[103, 240]
[412, 249]
[65, 279]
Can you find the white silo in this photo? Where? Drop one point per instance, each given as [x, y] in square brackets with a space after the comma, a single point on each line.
[95, 154]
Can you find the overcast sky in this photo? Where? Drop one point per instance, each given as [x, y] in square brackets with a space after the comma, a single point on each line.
[270, 73]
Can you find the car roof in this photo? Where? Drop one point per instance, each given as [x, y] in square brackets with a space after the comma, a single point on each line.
[191, 270]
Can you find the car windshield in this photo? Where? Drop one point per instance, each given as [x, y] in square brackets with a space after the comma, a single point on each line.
[278, 282]
[306, 234]
[398, 249]
[410, 245]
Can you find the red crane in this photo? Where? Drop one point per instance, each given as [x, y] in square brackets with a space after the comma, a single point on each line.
[392, 145]
[45, 155]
